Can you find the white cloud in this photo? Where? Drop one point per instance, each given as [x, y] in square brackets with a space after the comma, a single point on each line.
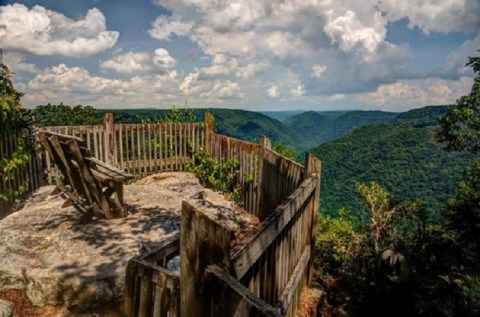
[297, 92]
[164, 26]
[226, 89]
[16, 63]
[456, 60]
[225, 65]
[352, 35]
[252, 51]
[162, 59]
[336, 97]
[73, 85]
[435, 15]
[187, 81]
[44, 32]
[415, 93]
[291, 35]
[318, 70]
[273, 92]
[130, 62]
[140, 62]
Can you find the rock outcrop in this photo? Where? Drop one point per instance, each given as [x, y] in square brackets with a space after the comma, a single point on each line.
[46, 251]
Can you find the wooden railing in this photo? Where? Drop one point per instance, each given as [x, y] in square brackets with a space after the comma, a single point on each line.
[150, 288]
[266, 276]
[139, 149]
[223, 148]
[263, 278]
[29, 177]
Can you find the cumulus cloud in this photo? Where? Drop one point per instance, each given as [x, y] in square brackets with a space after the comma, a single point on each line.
[299, 91]
[351, 35]
[187, 82]
[16, 62]
[74, 85]
[335, 50]
[435, 15]
[140, 62]
[273, 92]
[456, 60]
[415, 93]
[44, 32]
[225, 65]
[226, 89]
[290, 35]
[162, 59]
[336, 97]
[164, 26]
[318, 70]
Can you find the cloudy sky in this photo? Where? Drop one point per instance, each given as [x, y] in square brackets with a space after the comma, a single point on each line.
[392, 55]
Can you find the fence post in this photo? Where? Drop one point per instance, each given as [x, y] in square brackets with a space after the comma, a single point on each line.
[203, 242]
[209, 120]
[109, 139]
[265, 143]
[313, 166]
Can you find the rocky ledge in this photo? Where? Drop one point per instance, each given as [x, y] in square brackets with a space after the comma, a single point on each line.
[47, 252]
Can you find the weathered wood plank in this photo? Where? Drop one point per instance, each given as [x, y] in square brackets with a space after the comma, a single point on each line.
[273, 225]
[294, 281]
[313, 166]
[203, 242]
[145, 294]
[233, 298]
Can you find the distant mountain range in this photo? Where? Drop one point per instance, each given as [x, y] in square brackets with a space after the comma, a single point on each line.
[316, 127]
[401, 155]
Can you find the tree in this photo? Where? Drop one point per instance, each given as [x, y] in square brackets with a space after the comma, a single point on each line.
[54, 115]
[384, 211]
[460, 127]
[13, 119]
[284, 150]
[463, 211]
[12, 115]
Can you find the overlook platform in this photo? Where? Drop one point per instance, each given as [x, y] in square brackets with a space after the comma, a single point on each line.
[56, 260]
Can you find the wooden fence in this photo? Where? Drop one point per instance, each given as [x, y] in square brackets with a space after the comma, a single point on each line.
[28, 177]
[266, 276]
[139, 149]
[263, 278]
[151, 289]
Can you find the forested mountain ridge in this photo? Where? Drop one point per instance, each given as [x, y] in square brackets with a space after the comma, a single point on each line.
[402, 156]
[316, 127]
[426, 116]
[308, 125]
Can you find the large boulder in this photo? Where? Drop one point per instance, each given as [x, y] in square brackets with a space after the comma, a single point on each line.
[48, 252]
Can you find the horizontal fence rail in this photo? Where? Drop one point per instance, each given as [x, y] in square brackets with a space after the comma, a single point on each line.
[150, 288]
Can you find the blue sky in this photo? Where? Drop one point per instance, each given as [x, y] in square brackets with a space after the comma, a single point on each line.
[249, 54]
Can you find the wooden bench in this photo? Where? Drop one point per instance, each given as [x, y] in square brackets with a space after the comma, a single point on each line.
[89, 184]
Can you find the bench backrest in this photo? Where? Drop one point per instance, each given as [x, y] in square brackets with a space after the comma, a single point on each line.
[79, 170]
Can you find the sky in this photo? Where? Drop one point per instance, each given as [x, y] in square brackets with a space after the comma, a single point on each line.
[260, 55]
